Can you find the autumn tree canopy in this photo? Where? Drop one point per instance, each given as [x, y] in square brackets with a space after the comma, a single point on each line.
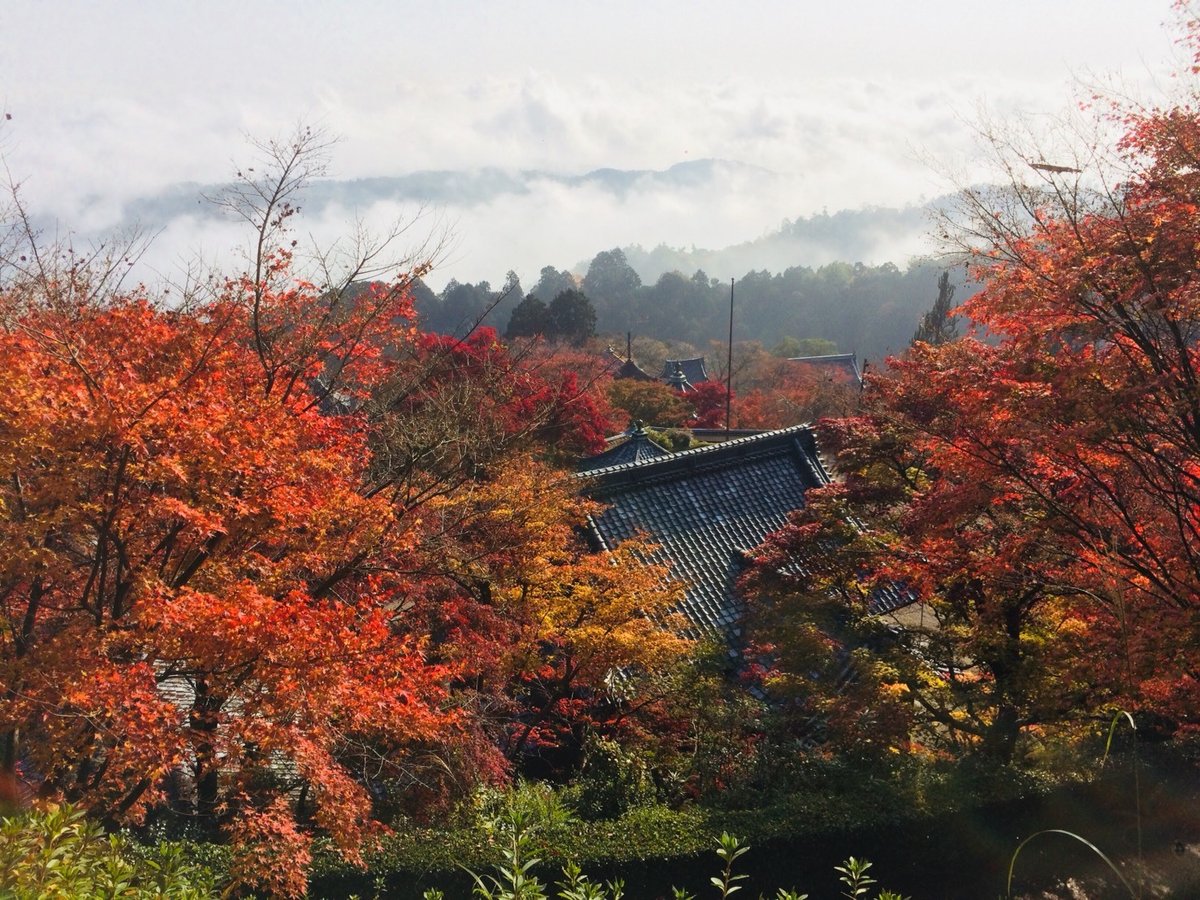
[1037, 483]
[220, 515]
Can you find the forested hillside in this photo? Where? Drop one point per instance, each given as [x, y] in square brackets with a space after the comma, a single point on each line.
[868, 310]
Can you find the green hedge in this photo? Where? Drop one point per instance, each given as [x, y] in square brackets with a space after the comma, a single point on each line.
[839, 801]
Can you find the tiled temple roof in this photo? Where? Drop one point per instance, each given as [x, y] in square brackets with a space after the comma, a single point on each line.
[705, 508]
[635, 446]
[693, 369]
[630, 369]
[839, 367]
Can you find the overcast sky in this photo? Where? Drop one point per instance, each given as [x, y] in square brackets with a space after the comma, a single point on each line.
[110, 101]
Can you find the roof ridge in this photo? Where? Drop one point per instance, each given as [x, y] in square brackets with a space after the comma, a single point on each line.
[823, 356]
[715, 450]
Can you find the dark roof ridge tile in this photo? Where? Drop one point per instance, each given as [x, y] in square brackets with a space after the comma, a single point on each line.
[719, 455]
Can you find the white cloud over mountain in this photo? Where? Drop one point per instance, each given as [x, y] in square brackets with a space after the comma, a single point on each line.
[825, 108]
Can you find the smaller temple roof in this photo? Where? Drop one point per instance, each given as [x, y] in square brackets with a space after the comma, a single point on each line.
[630, 369]
[678, 379]
[840, 367]
[694, 369]
[634, 446]
[706, 509]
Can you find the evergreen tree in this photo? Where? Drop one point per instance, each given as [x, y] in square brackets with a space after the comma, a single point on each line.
[551, 282]
[938, 326]
[531, 317]
[571, 317]
[507, 299]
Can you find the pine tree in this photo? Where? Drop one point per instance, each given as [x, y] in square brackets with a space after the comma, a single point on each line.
[938, 325]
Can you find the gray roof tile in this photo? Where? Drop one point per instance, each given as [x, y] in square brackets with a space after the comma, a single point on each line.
[636, 447]
[705, 507]
[693, 370]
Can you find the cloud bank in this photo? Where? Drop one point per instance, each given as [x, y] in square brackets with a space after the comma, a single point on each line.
[824, 109]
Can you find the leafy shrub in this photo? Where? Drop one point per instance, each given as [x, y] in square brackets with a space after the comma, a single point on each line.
[613, 781]
[514, 878]
[58, 854]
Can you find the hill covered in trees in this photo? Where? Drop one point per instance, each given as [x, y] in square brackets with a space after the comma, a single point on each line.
[868, 310]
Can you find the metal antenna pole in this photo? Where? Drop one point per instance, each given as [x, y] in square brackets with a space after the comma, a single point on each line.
[729, 364]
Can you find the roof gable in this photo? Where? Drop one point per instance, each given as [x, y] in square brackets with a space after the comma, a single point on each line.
[630, 369]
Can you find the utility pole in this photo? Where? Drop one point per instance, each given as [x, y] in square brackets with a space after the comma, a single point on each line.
[729, 364]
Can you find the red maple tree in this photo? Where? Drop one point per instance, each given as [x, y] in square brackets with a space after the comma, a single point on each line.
[1040, 489]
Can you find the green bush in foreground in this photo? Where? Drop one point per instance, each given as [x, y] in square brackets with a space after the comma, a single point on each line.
[513, 878]
[57, 854]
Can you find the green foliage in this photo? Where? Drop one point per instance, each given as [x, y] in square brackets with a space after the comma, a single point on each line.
[789, 347]
[813, 797]
[868, 309]
[513, 878]
[521, 814]
[551, 282]
[523, 828]
[674, 439]
[729, 849]
[58, 853]
[570, 316]
[854, 876]
[576, 886]
[614, 780]
[611, 283]
[938, 325]
[530, 317]
[533, 804]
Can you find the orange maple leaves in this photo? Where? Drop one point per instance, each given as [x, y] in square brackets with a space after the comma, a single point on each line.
[177, 515]
[219, 522]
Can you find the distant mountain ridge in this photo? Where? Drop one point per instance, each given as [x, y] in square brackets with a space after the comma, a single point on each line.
[872, 235]
[450, 187]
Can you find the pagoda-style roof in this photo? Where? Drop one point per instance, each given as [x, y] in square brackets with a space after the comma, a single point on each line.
[630, 369]
[841, 368]
[693, 369]
[678, 379]
[634, 446]
[705, 509]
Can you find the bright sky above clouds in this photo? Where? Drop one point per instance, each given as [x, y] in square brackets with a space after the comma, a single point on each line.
[844, 101]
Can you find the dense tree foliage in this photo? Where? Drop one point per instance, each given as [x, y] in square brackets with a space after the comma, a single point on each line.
[568, 317]
[551, 282]
[868, 310]
[529, 319]
[222, 519]
[1038, 491]
[571, 317]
